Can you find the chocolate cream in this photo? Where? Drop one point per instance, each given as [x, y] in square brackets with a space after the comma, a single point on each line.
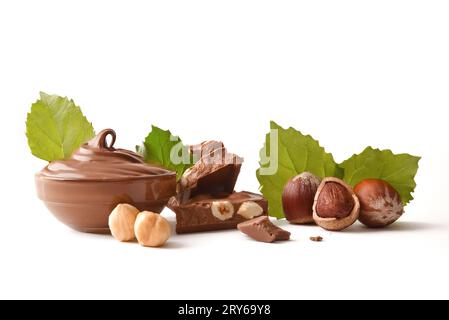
[96, 160]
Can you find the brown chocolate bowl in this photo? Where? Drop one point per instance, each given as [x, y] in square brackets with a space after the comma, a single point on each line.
[82, 191]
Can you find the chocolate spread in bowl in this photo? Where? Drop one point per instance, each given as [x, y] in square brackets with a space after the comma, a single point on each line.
[83, 190]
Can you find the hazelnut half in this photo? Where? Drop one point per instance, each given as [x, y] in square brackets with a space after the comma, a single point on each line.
[151, 229]
[222, 210]
[250, 210]
[336, 206]
[380, 203]
[121, 222]
[298, 197]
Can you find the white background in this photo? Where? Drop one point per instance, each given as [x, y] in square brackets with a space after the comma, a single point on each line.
[351, 73]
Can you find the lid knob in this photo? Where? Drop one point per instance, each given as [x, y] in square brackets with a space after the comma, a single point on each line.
[100, 139]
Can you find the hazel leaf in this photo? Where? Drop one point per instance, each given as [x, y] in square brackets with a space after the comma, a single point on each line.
[162, 148]
[56, 127]
[295, 153]
[397, 169]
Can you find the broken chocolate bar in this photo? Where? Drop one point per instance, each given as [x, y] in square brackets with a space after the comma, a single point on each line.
[200, 213]
[215, 172]
[206, 199]
[262, 229]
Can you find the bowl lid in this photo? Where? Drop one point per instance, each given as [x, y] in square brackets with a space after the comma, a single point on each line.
[99, 160]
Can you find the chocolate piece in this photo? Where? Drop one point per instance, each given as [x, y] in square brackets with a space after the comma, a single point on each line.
[205, 148]
[316, 239]
[196, 215]
[216, 172]
[206, 199]
[83, 190]
[262, 229]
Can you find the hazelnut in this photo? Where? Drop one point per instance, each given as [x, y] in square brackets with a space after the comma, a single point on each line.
[250, 210]
[336, 206]
[298, 197]
[380, 203]
[151, 229]
[121, 222]
[222, 210]
[334, 201]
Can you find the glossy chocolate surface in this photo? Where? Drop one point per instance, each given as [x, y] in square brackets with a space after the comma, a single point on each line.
[95, 160]
[83, 190]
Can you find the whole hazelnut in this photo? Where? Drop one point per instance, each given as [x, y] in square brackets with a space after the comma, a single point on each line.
[121, 222]
[380, 203]
[298, 197]
[336, 206]
[151, 229]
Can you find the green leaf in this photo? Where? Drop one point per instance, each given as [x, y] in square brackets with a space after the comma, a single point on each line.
[56, 127]
[397, 169]
[297, 153]
[162, 148]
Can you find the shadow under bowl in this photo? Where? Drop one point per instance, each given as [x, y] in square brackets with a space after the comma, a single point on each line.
[85, 205]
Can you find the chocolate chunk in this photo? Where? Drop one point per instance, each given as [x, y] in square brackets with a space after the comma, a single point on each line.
[316, 239]
[216, 172]
[205, 148]
[262, 229]
[198, 213]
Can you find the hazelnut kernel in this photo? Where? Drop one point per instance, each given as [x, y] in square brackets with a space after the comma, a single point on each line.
[250, 210]
[151, 229]
[336, 206]
[121, 222]
[222, 210]
[334, 201]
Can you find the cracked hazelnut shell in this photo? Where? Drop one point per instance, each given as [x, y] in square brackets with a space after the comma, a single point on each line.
[298, 197]
[335, 206]
[380, 204]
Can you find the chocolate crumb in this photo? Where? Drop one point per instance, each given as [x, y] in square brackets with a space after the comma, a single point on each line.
[316, 239]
